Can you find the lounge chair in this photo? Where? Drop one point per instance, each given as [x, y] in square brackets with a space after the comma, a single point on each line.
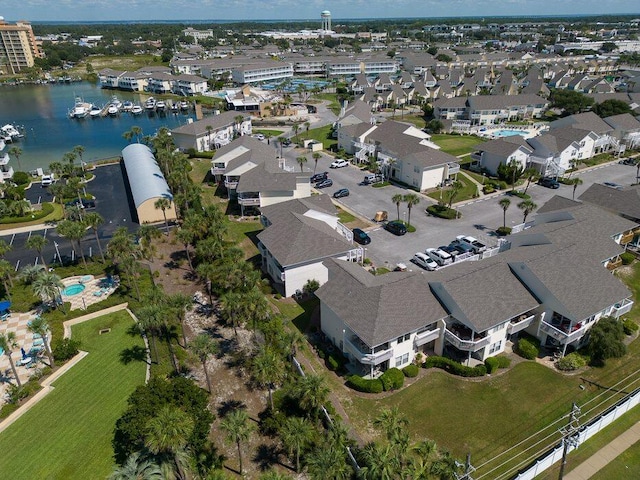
[37, 342]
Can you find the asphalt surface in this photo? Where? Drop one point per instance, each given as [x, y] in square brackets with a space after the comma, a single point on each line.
[113, 203]
[480, 217]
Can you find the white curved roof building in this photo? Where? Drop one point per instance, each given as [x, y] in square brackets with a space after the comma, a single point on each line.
[147, 184]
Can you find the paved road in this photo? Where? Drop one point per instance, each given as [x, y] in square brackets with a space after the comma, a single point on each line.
[480, 217]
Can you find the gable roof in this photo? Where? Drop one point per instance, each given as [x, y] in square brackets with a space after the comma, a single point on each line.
[505, 146]
[624, 202]
[199, 127]
[584, 121]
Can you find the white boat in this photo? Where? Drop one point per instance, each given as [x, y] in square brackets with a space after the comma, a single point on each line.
[160, 105]
[175, 108]
[11, 132]
[80, 108]
[112, 110]
[184, 105]
[150, 104]
[95, 111]
[127, 106]
[115, 101]
[136, 110]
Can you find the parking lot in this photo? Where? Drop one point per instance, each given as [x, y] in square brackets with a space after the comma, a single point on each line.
[113, 203]
[480, 217]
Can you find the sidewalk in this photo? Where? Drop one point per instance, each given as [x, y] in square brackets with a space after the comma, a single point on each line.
[605, 455]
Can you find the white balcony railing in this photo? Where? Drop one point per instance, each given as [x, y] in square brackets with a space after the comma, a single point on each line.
[560, 335]
[231, 184]
[426, 337]
[368, 358]
[621, 308]
[466, 345]
[519, 324]
[249, 201]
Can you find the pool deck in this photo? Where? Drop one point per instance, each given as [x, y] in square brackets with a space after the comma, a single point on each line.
[527, 131]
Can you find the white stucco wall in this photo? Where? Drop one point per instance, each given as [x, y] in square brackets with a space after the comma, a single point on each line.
[431, 178]
[297, 277]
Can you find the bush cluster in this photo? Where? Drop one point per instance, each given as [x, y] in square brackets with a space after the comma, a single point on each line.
[411, 371]
[392, 379]
[335, 362]
[570, 362]
[454, 367]
[528, 348]
[627, 258]
[629, 326]
[21, 178]
[65, 349]
[503, 231]
[442, 212]
[491, 364]
[503, 362]
[363, 385]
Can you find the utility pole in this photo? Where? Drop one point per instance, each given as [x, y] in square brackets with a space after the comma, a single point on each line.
[569, 437]
[468, 469]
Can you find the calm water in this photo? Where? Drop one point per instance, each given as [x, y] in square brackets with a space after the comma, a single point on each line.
[49, 133]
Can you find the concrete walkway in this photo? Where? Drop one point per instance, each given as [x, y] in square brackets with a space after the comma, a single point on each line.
[605, 455]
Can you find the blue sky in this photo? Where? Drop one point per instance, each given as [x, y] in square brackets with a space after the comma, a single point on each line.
[97, 10]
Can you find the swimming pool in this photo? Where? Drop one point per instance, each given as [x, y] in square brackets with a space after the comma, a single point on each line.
[508, 133]
[72, 290]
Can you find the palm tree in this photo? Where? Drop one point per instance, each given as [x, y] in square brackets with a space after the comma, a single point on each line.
[527, 206]
[167, 437]
[328, 461]
[47, 286]
[268, 371]
[8, 343]
[93, 220]
[301, 161]
[128, 136]
[456, 186]
[295, 128]
[186, 237]
[575, 182]
[146, 233]
[4, 248]
[531, 174]
[137, 468]
[238, 119]
[74, 231]
[37, 243]
[316, 156]
[150, 319]
[296, 434]
[392, 423]
[504, 204]
[30, 272]
[410, 199]
[40, 326]
[180, 302]
[16, 152]
[79, 150]
[204, 346]
[382, 462]
[163, 204]
[312, 392]
[445, 467]
[6, 270]
[136, 131]
[397, 199]
[273, 475]
[238, 429]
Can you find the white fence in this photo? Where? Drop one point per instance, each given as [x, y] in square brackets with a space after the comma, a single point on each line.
[587, 431]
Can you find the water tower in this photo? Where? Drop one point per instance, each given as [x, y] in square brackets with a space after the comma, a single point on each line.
[326, 20]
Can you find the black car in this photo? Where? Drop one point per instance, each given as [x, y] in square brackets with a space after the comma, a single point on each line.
[451, 250]
[343, 192]
[324, 183]
[460, 247]
[318, 177]
[549, 182]
[361, 237]
[396, 227]
[286, 142]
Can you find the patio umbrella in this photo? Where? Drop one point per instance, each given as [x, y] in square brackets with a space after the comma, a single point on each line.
[24, 354]
[5, 305]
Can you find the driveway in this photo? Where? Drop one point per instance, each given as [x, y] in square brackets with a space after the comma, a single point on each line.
[480, 217]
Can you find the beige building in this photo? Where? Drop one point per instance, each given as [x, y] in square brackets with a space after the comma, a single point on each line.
[18, 48]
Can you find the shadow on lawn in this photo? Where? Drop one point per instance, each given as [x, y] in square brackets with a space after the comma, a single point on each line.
[133, 354]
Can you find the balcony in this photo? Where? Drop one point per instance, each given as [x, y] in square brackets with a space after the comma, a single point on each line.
[627, 237]
[614, 263]
[453, 168]
[366, 358]
[231, 182]
[426, 337]
[4, 158]
[249, 200]
[520, 323]
[468, 345]
[621, 308]
[217, 168]
[561, 331]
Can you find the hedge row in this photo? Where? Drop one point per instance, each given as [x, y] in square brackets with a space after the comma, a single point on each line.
[363, 385]
[47, 208]
[454, 367]
[494, 363]
[442, 212]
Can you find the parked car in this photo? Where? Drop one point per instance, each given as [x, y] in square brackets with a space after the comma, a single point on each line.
[343, 192]
[396, 227]
[460, 247]
[324, 183]
[86, 204]
[286, 142]
[549, 182]
[473, 242]
[359, 236]
[628, 161]
[48, 180]
[339, 163]
[450, 250]
[615, 185]
[439, 256]
[372, 178]
[424, 261]
[259, 136]
[318, 177]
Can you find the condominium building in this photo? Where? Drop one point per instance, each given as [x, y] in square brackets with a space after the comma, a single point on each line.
[18, 47]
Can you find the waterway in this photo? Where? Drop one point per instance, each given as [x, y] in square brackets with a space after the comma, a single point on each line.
[43, 112]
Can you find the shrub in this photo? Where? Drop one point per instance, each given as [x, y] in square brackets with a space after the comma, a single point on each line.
[7, 409]
[527, 348]
[392, 379]
[573, 361]
[488, 189]
[515, 193]
[21, 178]
[503, 362]
[627, 258]
[503, 231]
[311, 286]
[361, 385]
[411, 371]
[332, 363]
[491, 364]
[454, 367]
[65, 349]
[278, 296]
[442, 212]
[629, 326]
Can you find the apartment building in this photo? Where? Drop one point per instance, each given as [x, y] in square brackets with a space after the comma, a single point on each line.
[18, 49]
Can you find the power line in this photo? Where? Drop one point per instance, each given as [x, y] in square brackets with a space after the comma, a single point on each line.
[569, 437]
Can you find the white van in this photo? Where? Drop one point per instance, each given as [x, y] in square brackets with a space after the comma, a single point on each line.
[372, 178]
[439, 256]
[423, 261]
[48, 180]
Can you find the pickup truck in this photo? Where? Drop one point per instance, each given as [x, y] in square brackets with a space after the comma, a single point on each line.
[472, 242]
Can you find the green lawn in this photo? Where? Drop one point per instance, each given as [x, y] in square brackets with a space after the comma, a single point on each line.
[332, 98]
[242, 234]
[266, 131]
[456, 144]
[68, 434]
[469, 189]
[322, 134]
[627, 465]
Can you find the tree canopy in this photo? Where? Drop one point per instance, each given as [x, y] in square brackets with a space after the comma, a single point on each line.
[611, 107]
[605, 340]
[570, 101]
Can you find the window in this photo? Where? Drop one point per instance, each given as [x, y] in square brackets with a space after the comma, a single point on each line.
[403, 338]
[495, 347]
[402, 359]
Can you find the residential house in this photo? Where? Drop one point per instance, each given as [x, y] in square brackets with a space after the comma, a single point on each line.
[358, 112]
[549, 280]
[502, 151]
[160, 83]
[591, 122]
[109, 78]
[189, 85]
[211, 132]
[626, 128]
[261, 72]
[299, 235]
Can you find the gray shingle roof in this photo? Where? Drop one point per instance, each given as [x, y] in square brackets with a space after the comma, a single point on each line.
[199, 127]
[624, 121]
[504, 146]
[584, 121]
[625, 202]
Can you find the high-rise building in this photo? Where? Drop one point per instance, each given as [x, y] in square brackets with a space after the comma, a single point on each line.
[18, 47]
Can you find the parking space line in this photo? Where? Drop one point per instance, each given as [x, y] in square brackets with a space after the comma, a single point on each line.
[12, 239]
